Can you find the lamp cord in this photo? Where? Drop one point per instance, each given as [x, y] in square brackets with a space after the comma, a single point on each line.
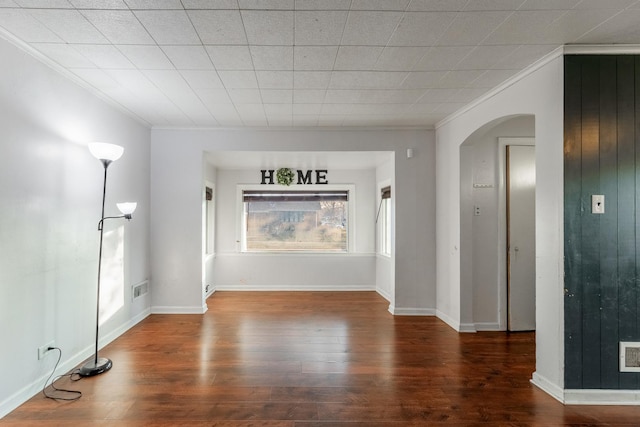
[74, 394]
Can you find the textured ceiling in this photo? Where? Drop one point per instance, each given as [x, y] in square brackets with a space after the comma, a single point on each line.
[236, 63]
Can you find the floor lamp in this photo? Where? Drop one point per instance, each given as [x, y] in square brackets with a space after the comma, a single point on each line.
[106, 153]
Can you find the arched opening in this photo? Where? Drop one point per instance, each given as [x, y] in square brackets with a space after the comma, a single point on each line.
[484, 259]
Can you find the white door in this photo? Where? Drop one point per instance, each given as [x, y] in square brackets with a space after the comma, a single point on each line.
[521, 238]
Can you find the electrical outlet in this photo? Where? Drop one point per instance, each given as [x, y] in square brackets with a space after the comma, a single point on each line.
[42, 351]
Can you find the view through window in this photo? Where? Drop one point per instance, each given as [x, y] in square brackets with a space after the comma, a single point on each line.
[315, 221]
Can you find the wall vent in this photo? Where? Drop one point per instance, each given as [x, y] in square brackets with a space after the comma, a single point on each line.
[139, 289]
[629, 356]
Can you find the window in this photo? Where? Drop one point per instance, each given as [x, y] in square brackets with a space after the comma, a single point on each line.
[314, 221]
[384, 222]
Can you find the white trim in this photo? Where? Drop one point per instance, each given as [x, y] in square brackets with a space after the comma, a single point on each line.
[179, 309]
[467, 328]
[297, 288]
[30, 390]
[454, 324]
[383, 294]
[296, 254]
[211, 292]
[548, 387]
[602, 397]
[505, 85]
[410, 311]
[602, 49]
[488, 326]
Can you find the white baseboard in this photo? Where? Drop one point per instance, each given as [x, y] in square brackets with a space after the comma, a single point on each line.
[602, 397]
[384, 294]
[160, 309]
[488, 327]
[30, 390]
[296, 288]
[548, 387]
[408, 311]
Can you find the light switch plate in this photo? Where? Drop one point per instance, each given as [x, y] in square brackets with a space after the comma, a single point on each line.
[597, 204]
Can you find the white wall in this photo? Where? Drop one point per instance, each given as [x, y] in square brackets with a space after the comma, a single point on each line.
[50, 193]
[539, 93]
[177, 176]
[234, 270]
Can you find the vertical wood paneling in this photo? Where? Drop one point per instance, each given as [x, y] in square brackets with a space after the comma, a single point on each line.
[589, 227]
[626, 208]
[602, 252]
[608, 233]
[572, 215]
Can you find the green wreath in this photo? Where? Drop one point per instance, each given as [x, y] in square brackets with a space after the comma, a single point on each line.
[285, 176]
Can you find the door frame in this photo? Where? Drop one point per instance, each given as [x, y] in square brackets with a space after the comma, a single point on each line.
[502, 221]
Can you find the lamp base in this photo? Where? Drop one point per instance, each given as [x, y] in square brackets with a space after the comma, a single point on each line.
[92, 368]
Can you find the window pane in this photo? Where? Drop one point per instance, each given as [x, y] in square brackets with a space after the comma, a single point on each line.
[296, 225]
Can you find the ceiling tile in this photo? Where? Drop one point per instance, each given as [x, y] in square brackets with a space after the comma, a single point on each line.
[357, 57]
[435, 96]
[423, 79]
[370, 28]
[441, 58]
[210, 4]
[45, 4]
[308, 96]
[171, 27]
[277, 96]
[25, 27]
[69, 25]
[396, 96]
[279, 120]
[522, 27]
[154, 4]
[399, 5]
[268, 27]
[491, 78]
[245, 96]
[188, 57]
[421, 28]
[266, 4]
[278, 109]
[314, 57]
[319, 27]
[277, 58]
[437, 5]
[366, 79]
[336, 96]
[199, 79]
[146, 57]
[549, 4]
[399, 58]
[622, 28]
[476, 5]
[8, 3]
[307, 109]
[608, 4]
[105, 56]
[223, 27]
[524, 56]
[471, 28]
[64, 55]
[322, 4]
[239, 79]
[99, 4]
[252, 114]
[484, 57]
[217, 101]
[305, 120]
[575, 24]
[275, 79]
[336, 108]
[120, 27]
[457, 79]
[331, 120]
[311, 79]
[230, 57]
[97, 78]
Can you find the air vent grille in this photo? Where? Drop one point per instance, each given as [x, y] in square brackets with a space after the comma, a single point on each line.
[629, 356]
[140, 289]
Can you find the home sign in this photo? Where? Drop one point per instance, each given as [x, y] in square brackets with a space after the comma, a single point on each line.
[286, 176]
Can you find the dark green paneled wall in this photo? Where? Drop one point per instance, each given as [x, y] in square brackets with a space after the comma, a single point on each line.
[602, 252]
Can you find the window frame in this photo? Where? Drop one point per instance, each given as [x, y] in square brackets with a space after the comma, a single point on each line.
[241, 216]
[384, 225]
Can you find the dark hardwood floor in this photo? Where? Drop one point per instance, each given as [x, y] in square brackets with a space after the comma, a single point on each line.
[308, 359]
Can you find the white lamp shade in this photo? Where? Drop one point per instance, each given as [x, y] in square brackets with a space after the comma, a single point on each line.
[104, 151]
[127, 208]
